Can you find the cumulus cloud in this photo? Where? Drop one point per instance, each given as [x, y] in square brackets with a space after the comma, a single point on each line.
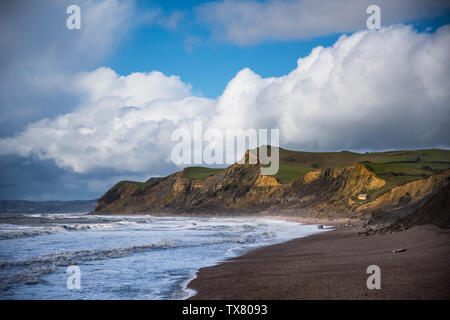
[123, 123]
[369, 91]
[251, 22]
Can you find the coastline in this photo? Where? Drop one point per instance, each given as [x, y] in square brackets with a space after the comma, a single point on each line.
[188, 292]
[332, 265]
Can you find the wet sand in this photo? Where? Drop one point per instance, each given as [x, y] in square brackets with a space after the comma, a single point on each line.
[332, 265]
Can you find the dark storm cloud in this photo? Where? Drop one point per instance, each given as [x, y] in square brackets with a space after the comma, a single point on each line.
[34, 179]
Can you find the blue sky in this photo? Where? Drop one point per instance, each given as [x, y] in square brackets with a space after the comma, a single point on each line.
[211, 63]
[209, 67]
[67, 130]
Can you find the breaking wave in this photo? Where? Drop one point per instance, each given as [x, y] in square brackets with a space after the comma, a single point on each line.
[25, 232]
[49, 263]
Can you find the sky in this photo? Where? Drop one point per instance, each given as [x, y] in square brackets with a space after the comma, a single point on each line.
[85, 108]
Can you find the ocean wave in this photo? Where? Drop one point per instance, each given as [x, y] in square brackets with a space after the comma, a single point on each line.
[13, 231]
[29, 232]
[31, 270]
[89, 226]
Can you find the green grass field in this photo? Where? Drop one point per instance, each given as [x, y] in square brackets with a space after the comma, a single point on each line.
[288, 173]
[200, 172]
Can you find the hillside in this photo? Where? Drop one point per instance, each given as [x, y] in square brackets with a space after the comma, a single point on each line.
[434, 210]
[324, 184]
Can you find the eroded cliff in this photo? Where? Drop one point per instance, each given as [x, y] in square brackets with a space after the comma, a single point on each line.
[353, 191]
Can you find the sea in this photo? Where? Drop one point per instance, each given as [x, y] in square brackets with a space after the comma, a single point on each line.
[80, 256]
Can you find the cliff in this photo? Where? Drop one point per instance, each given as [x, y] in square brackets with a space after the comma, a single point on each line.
[327, 190]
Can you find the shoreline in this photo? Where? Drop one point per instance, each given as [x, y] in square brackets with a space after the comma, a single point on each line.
[332, 265]
[188, 292]
[316, 221]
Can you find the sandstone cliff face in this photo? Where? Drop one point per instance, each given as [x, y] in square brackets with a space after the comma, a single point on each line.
[353, 179]
[128, 197]
[267, 181]
[408, 193]
[312, 176]
[417, 202]
[434, 210]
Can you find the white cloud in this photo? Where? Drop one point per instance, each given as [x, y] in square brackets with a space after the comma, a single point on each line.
[134, 90]
[124, 123]
[251, 22]
[370, 90]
